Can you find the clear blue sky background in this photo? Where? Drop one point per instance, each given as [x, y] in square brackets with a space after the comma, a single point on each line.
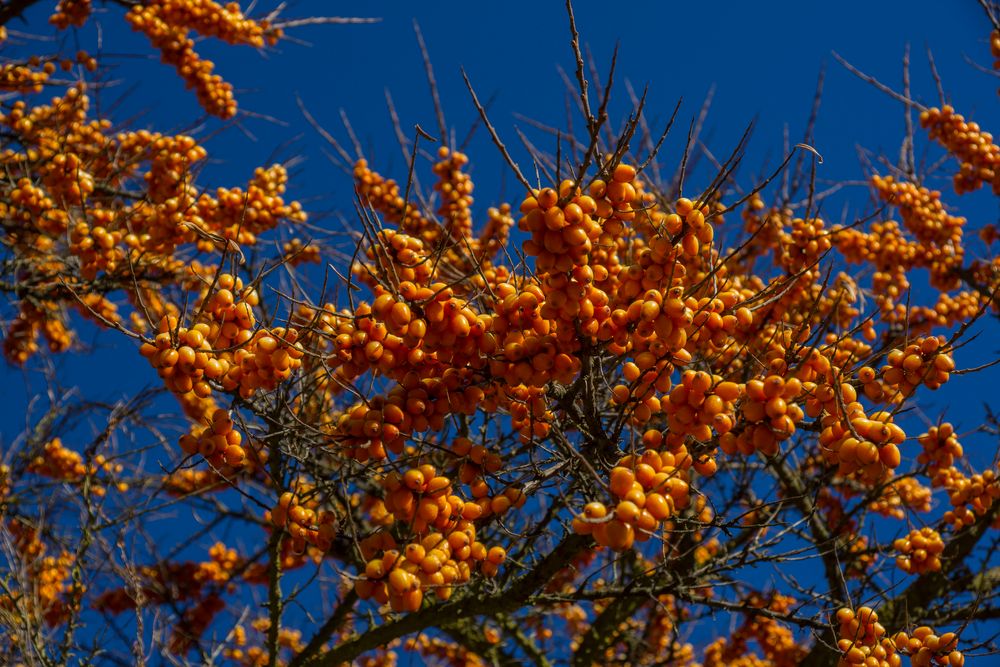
[762, 58]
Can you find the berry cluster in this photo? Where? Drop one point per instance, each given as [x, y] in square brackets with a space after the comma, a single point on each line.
[974, 149]
[303, 523]
[920, 551]
[856, 443]
[970, 496]
[904, 493]
[863, 640]
[51, 594]
[925, 648]
[648, 488]
[167, 24]
[71, 13]
[289, 640]
[219, 442]
[63, 464]
[941, 448]
[923, 362]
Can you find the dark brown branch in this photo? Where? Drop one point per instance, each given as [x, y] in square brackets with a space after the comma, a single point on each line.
[504, 602]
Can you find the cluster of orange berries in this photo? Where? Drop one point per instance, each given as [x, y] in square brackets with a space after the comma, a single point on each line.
[863, 640]
[921, 211]
[399, 331]
[172, 582]
[385, 196]
[22, 334]
[804, 245]
[435, 563]
[949, 310]
[902, 494]
[29, 78]
[717, 321]
[69, 156]
[224, 349]
[438, 558]
[970, 496]
[477, 460]
[923, 362]
[304, 524]
[701, 403]
[97, 249]
[562, 236]
[69, 183]
[423, 499]
[167, 180]
[268, 359]
[187, 365]
[495, 503]
[242, 215]
[367, 431]
[696, 232]
[563, 239]
[477, 463]
[189, 481]
[63, 464]
[920, 551]
[27, 203]
[941, 448]
[443, 652]
[654, 268]
[298, 252]
[494, 234]
[975, 149]
[456, 248]
[648, 488]
[53, 595]
[654, 326]
[925, 648]
[219, 442]
[770, 415]
[777, 641]
[231, 305]
[528, 407]
[211, 19]
[528, 351]
[455, 189]
[289, 639]
[167, 23]
[939, 238]
[886, 247]
[856, 443]
[71, 13]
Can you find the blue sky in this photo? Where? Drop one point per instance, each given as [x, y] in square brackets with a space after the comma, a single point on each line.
[761, 59]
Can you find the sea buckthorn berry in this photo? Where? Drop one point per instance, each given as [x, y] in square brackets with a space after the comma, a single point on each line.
[919, 551]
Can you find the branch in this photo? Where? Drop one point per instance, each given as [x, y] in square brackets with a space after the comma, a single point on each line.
[504, 602]
[331, 625]
[14, 9]
[929, 588]
[932, 586]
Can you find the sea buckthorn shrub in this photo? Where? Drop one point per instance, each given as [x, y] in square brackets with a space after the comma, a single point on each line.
[575, 426]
